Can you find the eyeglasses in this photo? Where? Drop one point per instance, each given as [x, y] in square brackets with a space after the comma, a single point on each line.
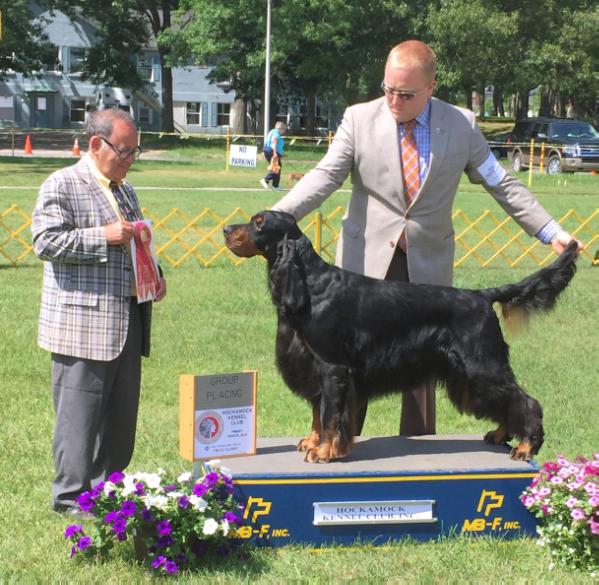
[123, 153]
[408, 96]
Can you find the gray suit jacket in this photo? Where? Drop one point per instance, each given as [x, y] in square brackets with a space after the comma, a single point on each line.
[87, 283]
[367, 146]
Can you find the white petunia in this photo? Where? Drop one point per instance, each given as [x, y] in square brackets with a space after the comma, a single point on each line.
[198, 503]
[210, 526]
[174, 494]
[128, 485]
[158, 502]
[184, 477]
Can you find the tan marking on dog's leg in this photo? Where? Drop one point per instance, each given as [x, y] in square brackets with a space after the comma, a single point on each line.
[330, 448]
[313, 439]
[523, 452]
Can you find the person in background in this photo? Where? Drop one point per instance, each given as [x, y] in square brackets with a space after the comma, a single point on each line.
[90, 319]
[406, 153]
[273, 152]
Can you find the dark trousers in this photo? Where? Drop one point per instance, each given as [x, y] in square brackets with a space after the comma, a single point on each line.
[418, 414]
[96, 407]
[274, 177]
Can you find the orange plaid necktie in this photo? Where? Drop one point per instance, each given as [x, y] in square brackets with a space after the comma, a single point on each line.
[410, 166]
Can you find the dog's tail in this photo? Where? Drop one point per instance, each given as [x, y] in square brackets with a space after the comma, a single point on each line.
[537, 292]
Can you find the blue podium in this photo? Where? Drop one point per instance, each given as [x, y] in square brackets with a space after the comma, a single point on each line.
[389, 488]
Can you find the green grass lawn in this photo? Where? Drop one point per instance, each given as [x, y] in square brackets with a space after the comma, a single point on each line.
[221, 320]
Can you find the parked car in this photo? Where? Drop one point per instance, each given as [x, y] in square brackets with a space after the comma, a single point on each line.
[499, 144]
[569, 145]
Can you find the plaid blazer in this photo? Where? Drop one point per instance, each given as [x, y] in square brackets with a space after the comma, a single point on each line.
[87, 283]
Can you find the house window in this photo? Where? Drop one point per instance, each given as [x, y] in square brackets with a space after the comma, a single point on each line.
[77, 57]
[77, 110]
[194, 110]
[149, 67]
[223, 114]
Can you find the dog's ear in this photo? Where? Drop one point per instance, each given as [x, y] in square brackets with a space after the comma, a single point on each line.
[288, 279]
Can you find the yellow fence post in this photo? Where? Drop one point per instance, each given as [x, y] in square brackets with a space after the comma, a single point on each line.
[318, 232]
[530, 162]
[330, 136]
[542, 158]
[227, 149]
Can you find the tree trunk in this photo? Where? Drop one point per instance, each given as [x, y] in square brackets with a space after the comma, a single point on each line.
[545, 108]
[522, 111]
[468, 92]
[166, 78]
[498, 102]
[311, 115]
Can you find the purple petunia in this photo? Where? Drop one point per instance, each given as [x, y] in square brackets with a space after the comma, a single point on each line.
[116, 477]
[163, 528]
[170, 567]
[120, 524]
[147, 515]
[158, 562]
[183, 502]
[199, 489]
[111, 517]
[128, 508]
[97, 490]
[73, 529]
[164, 541]
[232, 517]
[84, 542]
[171, 487]
[85, 502]
[211, 479]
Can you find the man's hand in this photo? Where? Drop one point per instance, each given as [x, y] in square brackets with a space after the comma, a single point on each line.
[161, 291]
[119, 232]
[561, 240]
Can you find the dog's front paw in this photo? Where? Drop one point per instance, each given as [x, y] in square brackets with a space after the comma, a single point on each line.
[320, 454]
[523, 452]
[310, 442]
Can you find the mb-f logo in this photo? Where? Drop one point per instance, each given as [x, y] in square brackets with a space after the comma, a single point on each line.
[489, 506]
[256, 510]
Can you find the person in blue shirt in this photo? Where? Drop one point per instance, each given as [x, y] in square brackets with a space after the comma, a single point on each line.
[273, 152]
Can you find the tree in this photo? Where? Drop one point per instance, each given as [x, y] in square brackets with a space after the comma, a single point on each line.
[19, 23]
[123, 30]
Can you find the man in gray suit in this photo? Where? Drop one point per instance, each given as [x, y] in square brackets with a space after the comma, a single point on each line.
[398, 231]
[90, 318]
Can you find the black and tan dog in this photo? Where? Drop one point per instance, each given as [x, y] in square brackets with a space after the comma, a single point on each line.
[344, 338]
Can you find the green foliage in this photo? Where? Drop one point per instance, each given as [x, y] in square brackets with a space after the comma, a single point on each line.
[24, 47]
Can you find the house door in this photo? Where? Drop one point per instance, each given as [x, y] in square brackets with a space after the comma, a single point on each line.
[42, 109]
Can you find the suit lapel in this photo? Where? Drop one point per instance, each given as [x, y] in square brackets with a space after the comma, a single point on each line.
[106, 212]
[439, 137]
[389, 152]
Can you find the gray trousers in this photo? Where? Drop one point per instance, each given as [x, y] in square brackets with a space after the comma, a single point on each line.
[96, 406]
[418, 410]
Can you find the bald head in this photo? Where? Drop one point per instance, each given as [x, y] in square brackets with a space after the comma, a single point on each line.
[413, 54]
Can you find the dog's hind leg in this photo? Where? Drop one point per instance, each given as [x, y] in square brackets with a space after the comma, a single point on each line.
[336, 415]
[313, 440]
[525, 417]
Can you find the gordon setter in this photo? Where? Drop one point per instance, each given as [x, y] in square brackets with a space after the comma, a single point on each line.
[344, 338]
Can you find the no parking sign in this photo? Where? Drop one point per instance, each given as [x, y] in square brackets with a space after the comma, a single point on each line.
[243, 156]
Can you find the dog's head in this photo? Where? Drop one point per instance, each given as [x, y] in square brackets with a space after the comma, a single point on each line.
[262, 235]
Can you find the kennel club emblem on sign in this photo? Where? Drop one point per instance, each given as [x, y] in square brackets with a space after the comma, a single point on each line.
[217, 415]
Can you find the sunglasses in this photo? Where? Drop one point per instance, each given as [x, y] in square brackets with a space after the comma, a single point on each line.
[407, 96]
[124, 153]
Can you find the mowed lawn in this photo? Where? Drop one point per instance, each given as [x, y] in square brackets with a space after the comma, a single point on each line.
[220, 319]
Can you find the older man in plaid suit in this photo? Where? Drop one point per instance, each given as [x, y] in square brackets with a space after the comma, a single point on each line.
[90, 318]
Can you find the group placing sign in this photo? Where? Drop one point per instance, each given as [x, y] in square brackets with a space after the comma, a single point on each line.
[217, 415]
